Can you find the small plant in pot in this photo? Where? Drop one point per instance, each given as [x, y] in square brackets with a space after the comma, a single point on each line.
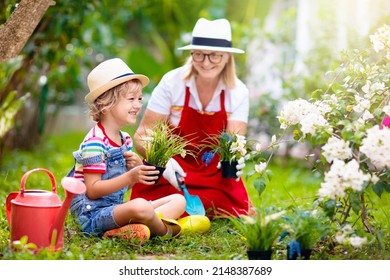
[305, 229]
[231, 149]
[161, 144]
[261, 230]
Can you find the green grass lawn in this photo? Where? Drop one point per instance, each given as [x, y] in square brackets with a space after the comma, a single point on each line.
[293, 183]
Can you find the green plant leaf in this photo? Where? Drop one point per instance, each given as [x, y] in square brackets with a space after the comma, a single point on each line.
[330, 207]
[378, 188]
[259, 184]
[356, 204]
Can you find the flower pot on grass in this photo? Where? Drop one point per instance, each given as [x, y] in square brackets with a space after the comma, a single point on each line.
[259, 254]
[260, 231]
[301, 254]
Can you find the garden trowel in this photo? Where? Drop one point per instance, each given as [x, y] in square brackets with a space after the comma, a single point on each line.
[194, 204]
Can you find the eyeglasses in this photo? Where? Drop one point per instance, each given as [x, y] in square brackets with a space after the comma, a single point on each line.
[213, 57]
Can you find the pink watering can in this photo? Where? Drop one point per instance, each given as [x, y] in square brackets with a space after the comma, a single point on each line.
[39, 214]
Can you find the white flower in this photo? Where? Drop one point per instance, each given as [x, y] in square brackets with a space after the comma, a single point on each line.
[362, 104]
[260, 167]
[374, 179]
[294, 111]
[357, 241]
[239, 145]
[340, 238]
[336, 149]
[323, 106]
[273, 140]
[381, 40]
[258, 147]
[376, 146]
[386, 110]
[312, 122]
[367, 115]
[341, 177]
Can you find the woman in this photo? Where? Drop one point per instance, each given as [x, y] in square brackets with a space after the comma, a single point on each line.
[202, 98]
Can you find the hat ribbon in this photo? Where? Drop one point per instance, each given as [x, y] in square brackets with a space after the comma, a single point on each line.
[211, 42]
[124, 75]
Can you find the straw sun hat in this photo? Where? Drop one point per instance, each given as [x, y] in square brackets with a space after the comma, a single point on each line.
[109, 74]
[214, 35]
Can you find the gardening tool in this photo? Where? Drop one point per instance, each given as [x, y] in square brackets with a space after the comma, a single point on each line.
[194, 204]
[39, 214]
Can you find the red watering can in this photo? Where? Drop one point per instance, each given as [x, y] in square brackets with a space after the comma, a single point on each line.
[40, 214]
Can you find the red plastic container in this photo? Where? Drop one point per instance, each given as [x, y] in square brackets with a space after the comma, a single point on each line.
[40, 214]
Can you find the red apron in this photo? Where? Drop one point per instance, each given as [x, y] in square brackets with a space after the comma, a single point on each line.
[220, 196]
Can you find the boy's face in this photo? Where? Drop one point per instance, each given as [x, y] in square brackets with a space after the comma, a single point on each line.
[126, 110]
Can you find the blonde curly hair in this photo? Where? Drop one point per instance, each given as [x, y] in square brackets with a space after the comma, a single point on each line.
[108, 99]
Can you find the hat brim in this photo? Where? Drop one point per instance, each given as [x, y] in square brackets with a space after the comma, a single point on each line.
[91, 96]
[210, 48]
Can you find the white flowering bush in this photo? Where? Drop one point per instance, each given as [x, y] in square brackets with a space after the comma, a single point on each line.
[349, 122]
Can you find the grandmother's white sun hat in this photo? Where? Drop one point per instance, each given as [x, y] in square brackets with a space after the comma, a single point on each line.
[214, 35]
[109, 74]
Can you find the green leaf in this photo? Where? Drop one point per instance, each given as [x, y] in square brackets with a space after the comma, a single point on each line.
[330, 208]
[259, 185]
[378, 188]
[356, 204]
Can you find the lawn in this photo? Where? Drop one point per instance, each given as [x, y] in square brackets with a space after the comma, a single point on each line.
[293, 182]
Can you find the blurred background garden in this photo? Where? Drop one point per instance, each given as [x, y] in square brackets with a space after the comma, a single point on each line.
[291, 47]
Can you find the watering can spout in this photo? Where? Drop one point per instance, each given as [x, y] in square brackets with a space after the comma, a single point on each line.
[72, 187]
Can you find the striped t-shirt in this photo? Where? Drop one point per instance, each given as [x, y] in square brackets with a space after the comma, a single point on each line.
[97, 143]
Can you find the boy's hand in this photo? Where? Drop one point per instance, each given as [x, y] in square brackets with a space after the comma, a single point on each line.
[143, 174]
[132, 160]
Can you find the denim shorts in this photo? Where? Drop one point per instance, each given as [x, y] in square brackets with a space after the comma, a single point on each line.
[94, 216]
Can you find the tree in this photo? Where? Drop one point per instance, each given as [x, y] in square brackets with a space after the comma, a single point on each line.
[19, 27]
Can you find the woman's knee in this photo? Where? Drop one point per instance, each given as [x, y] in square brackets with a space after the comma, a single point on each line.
[179, 200]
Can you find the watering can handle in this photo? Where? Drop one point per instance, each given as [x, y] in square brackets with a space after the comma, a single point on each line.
[24, 179]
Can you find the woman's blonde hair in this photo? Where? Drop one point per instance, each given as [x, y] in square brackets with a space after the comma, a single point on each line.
[228, 73]
[108, 99]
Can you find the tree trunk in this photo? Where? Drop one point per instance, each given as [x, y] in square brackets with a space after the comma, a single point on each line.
[19, 27]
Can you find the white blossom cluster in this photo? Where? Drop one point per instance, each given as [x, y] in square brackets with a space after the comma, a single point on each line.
[386, 110]
[302, 112]
[239, 146]
[376, 146]
[342, 176]
[346, 236]
[336, 148]
[381, 40]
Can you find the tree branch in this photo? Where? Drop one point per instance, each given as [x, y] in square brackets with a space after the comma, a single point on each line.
[21, 24]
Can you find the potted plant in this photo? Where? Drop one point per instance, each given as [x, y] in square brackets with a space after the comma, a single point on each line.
[231, 149]
[305, 229]
[260, 231]
[161, 144]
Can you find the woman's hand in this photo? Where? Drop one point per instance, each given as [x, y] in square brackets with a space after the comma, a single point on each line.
[132, 160]
[169, 174]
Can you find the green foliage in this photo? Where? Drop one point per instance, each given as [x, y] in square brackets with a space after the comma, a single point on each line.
[261, 229]
[307, 227]
[161, 144]
[8, 110]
